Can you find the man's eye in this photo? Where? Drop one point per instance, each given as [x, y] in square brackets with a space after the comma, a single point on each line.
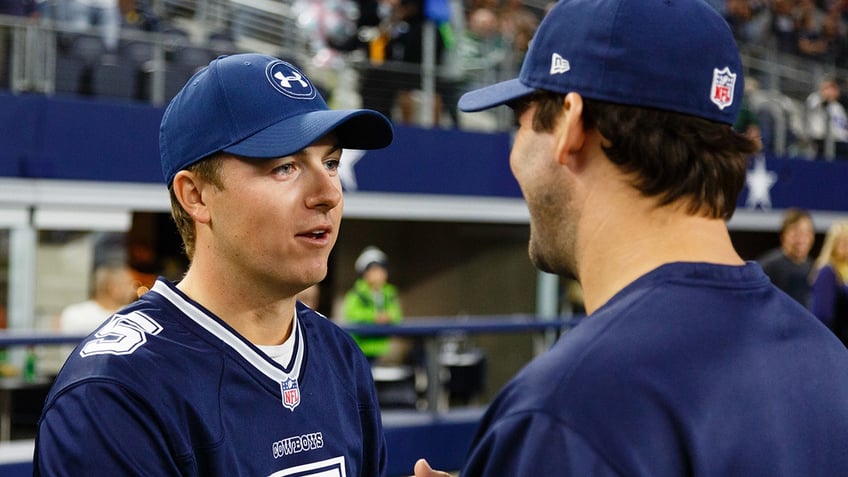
[331, 164]
[284, 169]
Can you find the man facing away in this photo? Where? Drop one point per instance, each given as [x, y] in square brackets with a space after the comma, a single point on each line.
[690, 361]
[225, 373]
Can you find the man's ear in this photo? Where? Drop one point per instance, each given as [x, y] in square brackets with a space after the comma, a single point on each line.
[571, 136]
[188, 189]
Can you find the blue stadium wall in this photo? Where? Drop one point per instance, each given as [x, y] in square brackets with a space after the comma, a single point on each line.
[66, 138]
[86, 139]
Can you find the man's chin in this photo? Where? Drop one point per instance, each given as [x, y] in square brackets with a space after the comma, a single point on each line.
[548, 265]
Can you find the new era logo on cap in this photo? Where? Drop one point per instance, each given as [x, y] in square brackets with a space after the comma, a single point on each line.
[559, 64]
[287, 79]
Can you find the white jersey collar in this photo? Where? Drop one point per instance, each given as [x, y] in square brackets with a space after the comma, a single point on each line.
[235, 341]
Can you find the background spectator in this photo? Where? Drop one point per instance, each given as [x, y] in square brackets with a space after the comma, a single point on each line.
[372, 301]
[827, 119]
[788, 266]
[482, 49]
[833, 33]
[747, 23]
[782, 26]
[808, 32]
[104, 16]
[829, 298]
[113, 287]
[517, 25]
[396, 53]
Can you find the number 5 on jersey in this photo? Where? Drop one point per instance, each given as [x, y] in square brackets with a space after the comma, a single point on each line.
[122, 334]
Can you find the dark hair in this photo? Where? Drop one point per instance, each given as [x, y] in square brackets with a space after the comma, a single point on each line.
[669, 155]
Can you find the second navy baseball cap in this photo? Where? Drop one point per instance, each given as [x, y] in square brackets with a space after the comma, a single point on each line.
[675, 55]
[257, 106]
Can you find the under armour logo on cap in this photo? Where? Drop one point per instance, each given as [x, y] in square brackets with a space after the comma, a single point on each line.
[559, 64]
[289, 80]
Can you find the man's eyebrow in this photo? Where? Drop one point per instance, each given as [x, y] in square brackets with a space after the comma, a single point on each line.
[333, 148]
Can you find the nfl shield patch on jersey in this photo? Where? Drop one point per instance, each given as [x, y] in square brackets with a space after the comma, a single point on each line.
[291, 393]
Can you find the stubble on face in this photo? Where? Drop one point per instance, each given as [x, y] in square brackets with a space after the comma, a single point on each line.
[549, 199]
[553, 233]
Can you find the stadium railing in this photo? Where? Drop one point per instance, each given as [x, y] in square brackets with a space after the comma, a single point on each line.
[438, 434]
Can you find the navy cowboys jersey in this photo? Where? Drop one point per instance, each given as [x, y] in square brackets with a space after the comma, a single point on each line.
[693, 369]
[165, 388]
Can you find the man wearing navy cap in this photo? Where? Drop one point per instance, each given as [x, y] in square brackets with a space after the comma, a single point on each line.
[225, 373]
[690, 362]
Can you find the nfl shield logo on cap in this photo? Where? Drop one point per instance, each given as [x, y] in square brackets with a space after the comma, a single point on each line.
[724, 83]
[291, 393]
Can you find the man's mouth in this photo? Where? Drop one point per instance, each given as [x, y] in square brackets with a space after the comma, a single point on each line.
[315, 234]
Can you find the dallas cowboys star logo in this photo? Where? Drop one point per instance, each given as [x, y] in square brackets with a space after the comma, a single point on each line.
[760, 181]
[346, 173]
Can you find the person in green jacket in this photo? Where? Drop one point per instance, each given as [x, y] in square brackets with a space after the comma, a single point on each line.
[373, 301]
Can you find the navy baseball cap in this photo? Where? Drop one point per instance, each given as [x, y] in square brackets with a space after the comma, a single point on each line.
[257, 106]
[675, 55]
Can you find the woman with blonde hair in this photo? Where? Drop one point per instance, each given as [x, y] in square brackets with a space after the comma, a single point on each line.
[829, 299]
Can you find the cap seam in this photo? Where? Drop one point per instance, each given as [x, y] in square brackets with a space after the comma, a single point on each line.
[613, 28]
[230, 115]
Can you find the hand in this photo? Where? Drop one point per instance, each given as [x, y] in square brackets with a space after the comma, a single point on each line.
[383, 318]
[422, 469]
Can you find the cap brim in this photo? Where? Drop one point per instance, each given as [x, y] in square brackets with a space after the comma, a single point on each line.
[355, 129]
[494, 95]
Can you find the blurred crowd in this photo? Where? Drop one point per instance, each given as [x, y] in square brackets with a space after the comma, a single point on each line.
[473, 42]
[814, 29]
[377, 53]
[109, 15]
[811, 36]
[479, 42]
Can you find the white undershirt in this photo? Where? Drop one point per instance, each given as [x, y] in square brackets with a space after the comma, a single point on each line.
[282, 353]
